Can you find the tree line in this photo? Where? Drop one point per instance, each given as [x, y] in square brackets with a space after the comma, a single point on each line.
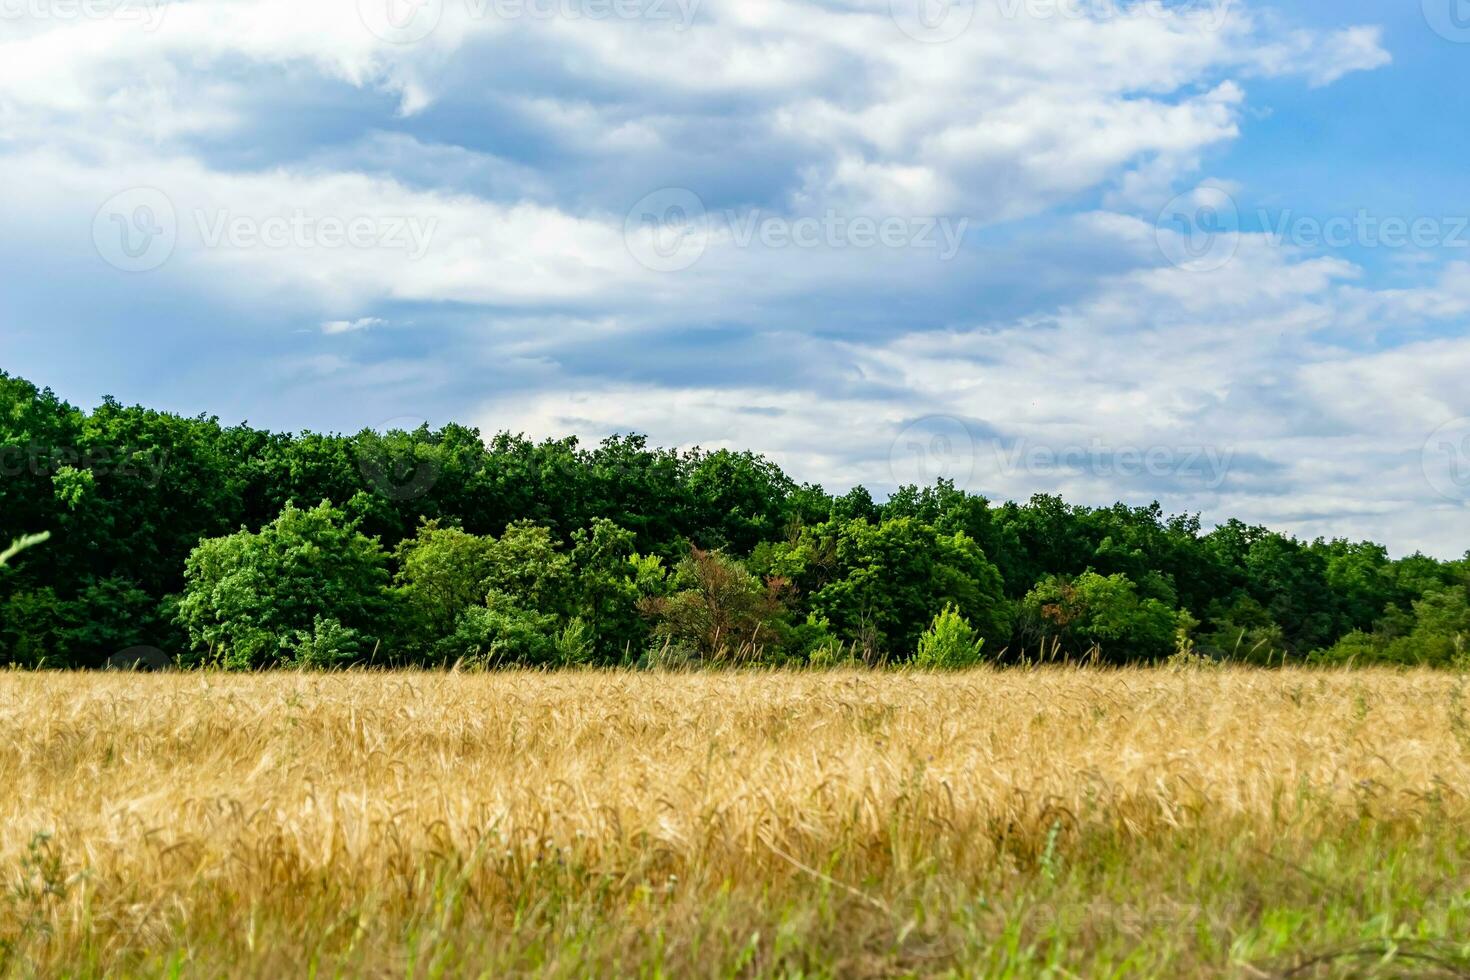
[236, 547]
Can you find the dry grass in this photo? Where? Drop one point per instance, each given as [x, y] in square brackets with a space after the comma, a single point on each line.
[1025, 823]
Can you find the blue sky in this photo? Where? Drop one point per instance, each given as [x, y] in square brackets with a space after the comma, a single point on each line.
[1211, 252]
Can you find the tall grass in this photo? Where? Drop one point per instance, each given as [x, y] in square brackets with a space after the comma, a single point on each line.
[1049, 822]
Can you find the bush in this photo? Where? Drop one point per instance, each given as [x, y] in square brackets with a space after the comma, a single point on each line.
[814, 644]
[526, 565]
[31, 622]
[575, 646]
[1437, 636]
[882, 582]
[503, 633]
[34, 628]
[670, 656]
[721, 613]
[249, 598]
[328, 644]
[1242, 630]
[1097, 612]
[442, 572]
[950, 643]
[611, 578]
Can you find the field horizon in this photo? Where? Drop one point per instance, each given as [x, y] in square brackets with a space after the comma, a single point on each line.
[1048, 822]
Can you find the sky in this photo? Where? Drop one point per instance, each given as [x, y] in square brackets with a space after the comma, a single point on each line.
[1214, 253]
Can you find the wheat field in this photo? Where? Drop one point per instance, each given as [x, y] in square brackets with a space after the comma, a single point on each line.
[1053, 822]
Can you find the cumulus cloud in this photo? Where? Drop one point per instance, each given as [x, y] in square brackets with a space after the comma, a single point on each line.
[478, 176]
[1227, 394]
[1021, 110]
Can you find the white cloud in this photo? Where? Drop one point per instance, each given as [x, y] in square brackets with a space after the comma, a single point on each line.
[1234, 370]
[1018, 113]
[828, 107]
[1324, 59]
[334, 327]
[264, 236]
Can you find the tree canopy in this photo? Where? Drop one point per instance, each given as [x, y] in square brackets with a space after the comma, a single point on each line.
[244, 548]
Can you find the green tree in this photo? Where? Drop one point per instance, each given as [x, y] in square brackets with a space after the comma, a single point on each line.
[249, 597]
[526, 564]
[1288, 579]
[1436, 634]
[129, 493]
[502, 633]
[737, 499]
[950, 510]
[442, 573]
[719, 612]
[888, 579]
[608, 589]
[1103, 612]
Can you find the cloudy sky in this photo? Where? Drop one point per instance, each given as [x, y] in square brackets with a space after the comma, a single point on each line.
[1210, 252]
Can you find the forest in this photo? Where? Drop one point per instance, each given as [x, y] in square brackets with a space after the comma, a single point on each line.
[237, 548]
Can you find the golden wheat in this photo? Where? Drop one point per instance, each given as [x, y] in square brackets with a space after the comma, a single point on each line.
[727, 824]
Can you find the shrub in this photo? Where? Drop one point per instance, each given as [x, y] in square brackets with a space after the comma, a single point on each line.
[1437, 636]
[1243, 630]
[837, 655]
[526, 565]
[884, 581]
[503, 633]
[950, 643]
[1100, 612]
[34, 627]
[669, 656]
[1356, 648]
[814, 643]
[442, 572]
[721, 613]
[611, 577]
[327, 644]
[250, 597]
[575, 645]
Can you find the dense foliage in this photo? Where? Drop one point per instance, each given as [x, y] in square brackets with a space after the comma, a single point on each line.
[232, 546]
